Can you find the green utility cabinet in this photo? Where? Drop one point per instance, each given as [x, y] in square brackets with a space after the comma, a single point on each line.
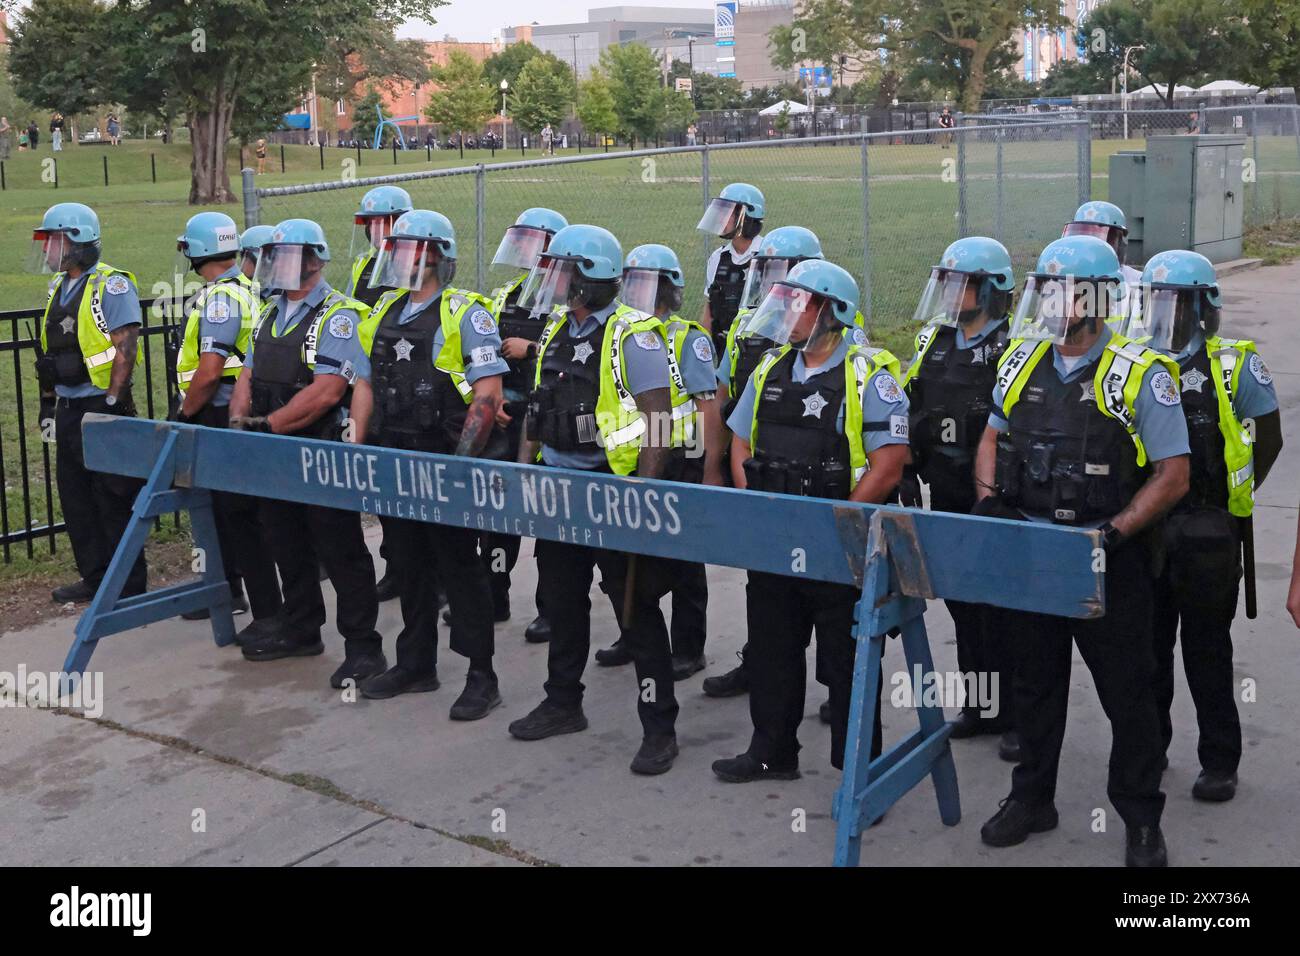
[1182, 192]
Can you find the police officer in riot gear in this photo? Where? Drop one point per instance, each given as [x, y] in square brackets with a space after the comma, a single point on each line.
[89, 345]
[1106, 221]
[653, 282]
[1086, 430]
[825, 417]
[518, 252]
[373, 220]
[602, 378]
[1235, 430]
[435, 386]
[218, 329]
[737, 216]
[962, 316]
[297, 380]
[251, 241]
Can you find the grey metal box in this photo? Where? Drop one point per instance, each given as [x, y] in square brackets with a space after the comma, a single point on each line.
[1127, 187]
[1192, 195]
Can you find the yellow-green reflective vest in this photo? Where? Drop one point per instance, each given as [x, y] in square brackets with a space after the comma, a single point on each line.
[97, 349]
[358, 266]
[618, 420]
[240, 288]
[1115, 382]
[1227, 357]
[685, 411]
[732, 358]
[501, 293]
[455, 303]
[861, 365]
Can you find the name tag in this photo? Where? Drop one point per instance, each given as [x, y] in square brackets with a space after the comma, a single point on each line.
[1090, 469]
[898, 426]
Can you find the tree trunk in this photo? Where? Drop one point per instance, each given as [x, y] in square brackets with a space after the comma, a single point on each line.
[209, 177]
[970, 99]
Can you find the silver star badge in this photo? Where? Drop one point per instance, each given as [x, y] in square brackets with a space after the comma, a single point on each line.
[813, 405]
[1054, 266]
[1193, 379]
[403, 349]
[1160, 272]
[582, 352]
[68, 324]
[1089, 393]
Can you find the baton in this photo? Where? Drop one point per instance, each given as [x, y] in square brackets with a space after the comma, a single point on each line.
[629, 588]
[1248, 564]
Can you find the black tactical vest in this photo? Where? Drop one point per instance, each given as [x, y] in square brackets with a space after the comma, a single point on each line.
[563, 408]
[281, 371]
[417, 407]
[799, 450]
[514, 322]
[363, 292]
[951, 394]
[724, 297]
[749, 352]
[63, 347]
[1063, 458]
[1209, 478]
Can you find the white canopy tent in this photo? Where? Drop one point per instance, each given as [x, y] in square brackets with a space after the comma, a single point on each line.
[1227, 86]
[792, 106]
[1157, 90]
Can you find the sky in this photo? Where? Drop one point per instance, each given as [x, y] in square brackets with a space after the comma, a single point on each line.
[482, 20]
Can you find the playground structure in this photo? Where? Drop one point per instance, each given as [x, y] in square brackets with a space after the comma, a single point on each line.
[392, 122]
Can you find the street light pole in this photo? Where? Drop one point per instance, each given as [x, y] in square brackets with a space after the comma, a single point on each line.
[1124, 83]
[505, 85]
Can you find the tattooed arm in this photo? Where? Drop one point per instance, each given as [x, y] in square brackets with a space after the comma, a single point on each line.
[481, 416]
[1164, 489]
[124, 340]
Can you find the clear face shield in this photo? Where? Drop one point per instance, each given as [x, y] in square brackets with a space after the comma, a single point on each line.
[368, 234]
[1162, 318]
[950, 298]
[1056, 308]
[286, 267]
[790, 316]
[248, 262]
[1098, 230]
[401, 263]
[548, 284]
[759, 279]
[641, 290]
[519, 249]
[50, 252]
[722, 218]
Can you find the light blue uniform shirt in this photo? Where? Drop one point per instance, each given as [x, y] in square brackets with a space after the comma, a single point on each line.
[645, 369]
[219, 326]
[121, 308]
[480, 340]
[696, 364]
[1255, 394]
[338, 349]
[883, 400]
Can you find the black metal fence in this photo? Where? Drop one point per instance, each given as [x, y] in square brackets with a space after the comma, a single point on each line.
[29, 510]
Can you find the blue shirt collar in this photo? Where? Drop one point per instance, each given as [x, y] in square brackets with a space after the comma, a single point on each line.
[1088, 358]
[989, 328]
[600, 318]
[410, 308]
[837, 358]
[285, 308]
[232, 273]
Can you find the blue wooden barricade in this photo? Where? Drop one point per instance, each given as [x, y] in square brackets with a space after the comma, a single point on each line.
[898, 557]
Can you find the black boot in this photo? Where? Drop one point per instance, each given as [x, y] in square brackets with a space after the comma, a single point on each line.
[386, 587]
[616, 655]
[479, 696]
[549, 720]
[279, 644]
[258, 628]
[1146, 847]
[538, 631]
[824, 712]
[747, 768]
[358, 668]
[684, 667]
[76, 592]
[735, 681]
[1014, 821]
[399, 680]
[1215, 787]
[1009, 747]
[656, 756]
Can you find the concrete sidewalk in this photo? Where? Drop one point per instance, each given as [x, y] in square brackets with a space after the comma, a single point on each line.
[287, 772]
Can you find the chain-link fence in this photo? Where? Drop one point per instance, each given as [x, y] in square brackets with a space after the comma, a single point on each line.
[883, 205]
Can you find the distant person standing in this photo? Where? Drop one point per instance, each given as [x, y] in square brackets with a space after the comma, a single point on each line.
[114, 130]
[261, 156]
[22, 141]
[6, 137]
[56, 132]
[946, 121]
[690, 135]
[548, 140]
[1193, 123]
[33, 134]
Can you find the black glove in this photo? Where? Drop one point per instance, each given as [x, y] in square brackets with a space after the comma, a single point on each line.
[994, 507]
[251, 423]
[909, 489]
[119, 407]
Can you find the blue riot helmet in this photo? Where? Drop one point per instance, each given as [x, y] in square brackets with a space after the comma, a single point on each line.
[375, 216]
[1103, 220]
[653, 280]
[67, 236]
[420, 239]
[208, 237]
[973, 278]
[295, 252]
[250, 246]
[583, 266]
[780, 251]
[527, 239]
[817, 297]
[738, 210]
[1075, 283]
[1179, 294]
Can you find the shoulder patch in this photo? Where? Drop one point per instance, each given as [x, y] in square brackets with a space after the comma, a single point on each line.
[218, 310]
[650, 341]
[117, 284]
[1259, 369]
[482, 321]
[341, 327]
[859, 337]
[703, 349]
[887, 388]
[1164, 389]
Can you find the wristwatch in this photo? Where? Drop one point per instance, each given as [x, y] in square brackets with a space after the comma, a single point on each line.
[1111, 536]
[110, 400]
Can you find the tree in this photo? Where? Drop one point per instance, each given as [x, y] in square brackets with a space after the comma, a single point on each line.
[543, 93]
[1273, 58]
[1077, 78]
[464, 101]
[596, 104]
[509, 63]
[633, 74]
[718, 92]
[55, 57]
[675, 111]
[364, 118]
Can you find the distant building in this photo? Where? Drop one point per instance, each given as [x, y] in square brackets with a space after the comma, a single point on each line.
[751, 53]
[1040, 49]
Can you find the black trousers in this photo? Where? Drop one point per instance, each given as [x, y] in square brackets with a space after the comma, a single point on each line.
[565, 574]
[690, 593]
[783, 613]
[424, 556]
[499, 553]
[96, 505]
[1198, 590]
[1117, 650]
[981, 634]
[244, 549]
[302, 538]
